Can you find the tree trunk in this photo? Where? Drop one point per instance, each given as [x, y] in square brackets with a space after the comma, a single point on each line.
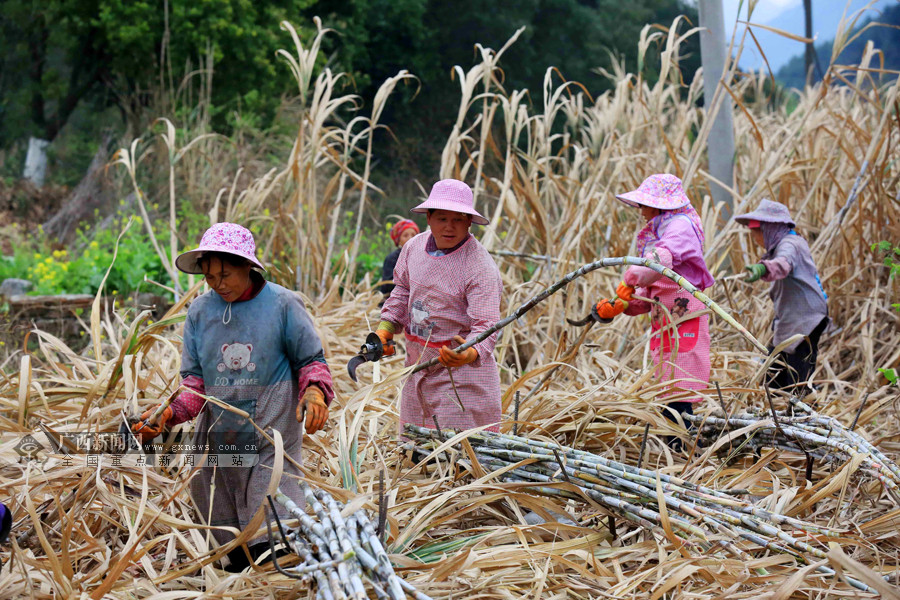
[36, 161]
[810, 55]
[720, 142]
[93, 192]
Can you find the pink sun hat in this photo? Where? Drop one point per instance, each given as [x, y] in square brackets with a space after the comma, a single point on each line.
[230, 238]
[662, 191]
[454, 195]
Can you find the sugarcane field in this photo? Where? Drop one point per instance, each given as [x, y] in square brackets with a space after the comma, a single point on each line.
[639, 340]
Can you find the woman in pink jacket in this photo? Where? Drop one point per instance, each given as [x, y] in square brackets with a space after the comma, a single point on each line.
[447, 291]
[673, 237]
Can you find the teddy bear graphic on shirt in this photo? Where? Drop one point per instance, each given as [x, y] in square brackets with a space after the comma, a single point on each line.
[236, 357]
[419, 313]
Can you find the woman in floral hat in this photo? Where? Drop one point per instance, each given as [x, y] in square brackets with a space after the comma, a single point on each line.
[447, 291]
[402, 231]
[673, 237]
[251, 344]
[796, 291]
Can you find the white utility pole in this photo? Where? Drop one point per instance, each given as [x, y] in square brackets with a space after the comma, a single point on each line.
[36, 161]
[720, 143]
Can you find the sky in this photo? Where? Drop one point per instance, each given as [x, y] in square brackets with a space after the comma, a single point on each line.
[788, 15]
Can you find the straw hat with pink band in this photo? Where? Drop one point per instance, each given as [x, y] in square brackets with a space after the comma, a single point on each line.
[229, 238]
[662, 191]
[453, 195]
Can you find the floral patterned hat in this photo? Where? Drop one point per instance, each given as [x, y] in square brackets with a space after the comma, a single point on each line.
[230, 238]
[662, 191]
[453, 195]
[768, 211]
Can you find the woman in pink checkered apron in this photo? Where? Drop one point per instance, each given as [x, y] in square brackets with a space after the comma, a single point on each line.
[673, 237]
[447, 291]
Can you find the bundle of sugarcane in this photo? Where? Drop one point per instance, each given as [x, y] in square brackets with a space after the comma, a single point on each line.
[806, 432]
[694, 516]
[337, 552]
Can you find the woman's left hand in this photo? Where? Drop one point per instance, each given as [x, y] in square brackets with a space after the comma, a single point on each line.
[316, 410]
[625, 291]
[451, 358]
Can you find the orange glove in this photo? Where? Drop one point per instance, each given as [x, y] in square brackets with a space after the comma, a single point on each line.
[147, 432]
[316, 410]
[451, 358]
[607, 309]
[385, 336]
[625, 291]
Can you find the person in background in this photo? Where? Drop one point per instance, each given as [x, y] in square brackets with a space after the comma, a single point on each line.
[447, 291]
[5, 522]
[673, 236]
[402, 231]
[252, 345]
[796, 291]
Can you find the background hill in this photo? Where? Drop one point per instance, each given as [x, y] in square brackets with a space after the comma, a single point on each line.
[788, 15]
[885, 38]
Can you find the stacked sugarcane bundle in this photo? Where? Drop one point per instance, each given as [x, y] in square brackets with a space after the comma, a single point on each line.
[709, 520]
[340, 554]
[807, 432]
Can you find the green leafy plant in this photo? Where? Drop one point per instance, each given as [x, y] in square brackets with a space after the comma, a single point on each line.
[79, 269]
[375, 245]
[892, 261]
[890, 374]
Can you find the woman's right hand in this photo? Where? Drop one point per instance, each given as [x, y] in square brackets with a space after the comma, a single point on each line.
[755, 272]
[611, 307]
[385, 336]
[625, 291]
[146, 431]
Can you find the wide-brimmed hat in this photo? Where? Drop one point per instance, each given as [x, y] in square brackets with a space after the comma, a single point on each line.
[454, 195]
[768, 211]
[401, 226]
[662, 191]
[229, 238]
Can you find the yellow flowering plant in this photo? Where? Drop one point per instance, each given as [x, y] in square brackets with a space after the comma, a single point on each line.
[79, 269]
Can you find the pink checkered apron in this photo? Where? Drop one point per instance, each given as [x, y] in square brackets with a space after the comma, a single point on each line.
[682, 358]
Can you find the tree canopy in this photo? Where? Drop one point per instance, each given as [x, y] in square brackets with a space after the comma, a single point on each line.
[58, 54]
[429, 37]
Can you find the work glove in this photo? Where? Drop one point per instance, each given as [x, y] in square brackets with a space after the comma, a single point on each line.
[316, 410]
[609, 308]
[385, 336]
[451, 358]
[146, 431]
[625, 292]
[755, 272]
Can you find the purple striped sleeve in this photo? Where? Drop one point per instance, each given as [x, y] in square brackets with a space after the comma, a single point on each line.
[777, 268]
